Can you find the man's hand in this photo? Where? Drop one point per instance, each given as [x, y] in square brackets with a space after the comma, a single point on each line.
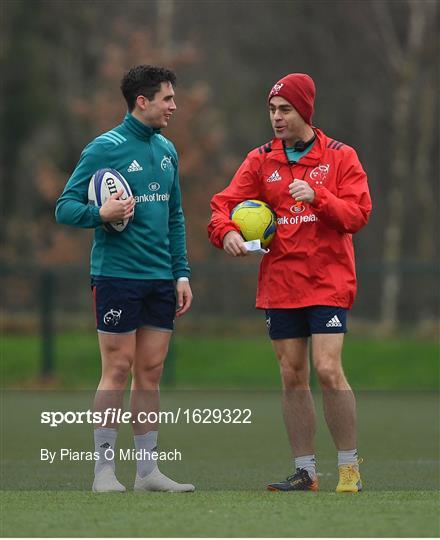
[301, 191]
[184, 297]
[115, 209]
[233, 244]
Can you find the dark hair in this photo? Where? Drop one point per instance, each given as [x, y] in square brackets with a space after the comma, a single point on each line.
[144, 81]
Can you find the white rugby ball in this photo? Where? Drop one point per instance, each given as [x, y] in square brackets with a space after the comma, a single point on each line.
[103, 184]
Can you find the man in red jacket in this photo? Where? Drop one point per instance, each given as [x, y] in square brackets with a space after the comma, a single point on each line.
[307, 282]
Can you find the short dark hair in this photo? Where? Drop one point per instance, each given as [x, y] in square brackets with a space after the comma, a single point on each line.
[144, 81]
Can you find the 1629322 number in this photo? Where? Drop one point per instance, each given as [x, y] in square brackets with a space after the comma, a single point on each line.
[218, 416]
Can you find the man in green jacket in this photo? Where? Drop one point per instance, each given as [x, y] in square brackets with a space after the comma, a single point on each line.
[140, 277]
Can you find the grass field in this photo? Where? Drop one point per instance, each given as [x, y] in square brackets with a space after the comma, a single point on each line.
[230, 362]
[398, 412]
[224, 514]
[230, 465]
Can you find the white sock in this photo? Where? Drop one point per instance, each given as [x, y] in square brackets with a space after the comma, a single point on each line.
[105, 439]
[308, 463]
[348, 457]
[146, 443]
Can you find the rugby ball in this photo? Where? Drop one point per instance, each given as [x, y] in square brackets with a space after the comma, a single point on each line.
[103, 184]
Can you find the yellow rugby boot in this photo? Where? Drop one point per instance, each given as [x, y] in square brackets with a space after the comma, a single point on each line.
[349, 479]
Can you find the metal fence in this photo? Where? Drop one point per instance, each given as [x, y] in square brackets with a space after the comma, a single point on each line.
[223, 290]
[47, 302]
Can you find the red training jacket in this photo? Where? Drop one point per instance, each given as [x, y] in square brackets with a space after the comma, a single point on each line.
[311, 259]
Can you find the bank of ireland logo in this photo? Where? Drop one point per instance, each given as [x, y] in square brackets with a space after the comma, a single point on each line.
[112, 317]
[153, 186]
[166, 163]
[319, 173]
[297, 208]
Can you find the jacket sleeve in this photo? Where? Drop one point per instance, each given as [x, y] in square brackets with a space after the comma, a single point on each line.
[349, 210]
[244, 185]
[72, 207]
[177, 236]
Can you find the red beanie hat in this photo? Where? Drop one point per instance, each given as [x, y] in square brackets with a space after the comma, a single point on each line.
[299, 90]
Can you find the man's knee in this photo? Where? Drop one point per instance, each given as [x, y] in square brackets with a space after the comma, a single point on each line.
[117, 362]
[148, 376]
[292, 356]
[330, 374]
[293, 376]
[117, 373]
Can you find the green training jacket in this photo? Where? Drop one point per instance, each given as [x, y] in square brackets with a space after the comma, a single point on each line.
[153, 244]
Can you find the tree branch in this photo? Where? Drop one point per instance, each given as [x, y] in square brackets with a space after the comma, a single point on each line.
[420, 14]
[387, 29]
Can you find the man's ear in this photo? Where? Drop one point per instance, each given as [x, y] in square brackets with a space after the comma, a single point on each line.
[142, 102]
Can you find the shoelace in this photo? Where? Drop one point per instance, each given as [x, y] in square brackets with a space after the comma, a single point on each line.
[348, 474]
[298, 475]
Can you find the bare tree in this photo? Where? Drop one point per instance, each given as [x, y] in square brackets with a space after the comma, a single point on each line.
[165, 12]
[404, 55]
[425, 196]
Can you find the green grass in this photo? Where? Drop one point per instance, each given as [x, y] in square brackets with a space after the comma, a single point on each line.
[224, 514]
[231, 362]
[230, 465]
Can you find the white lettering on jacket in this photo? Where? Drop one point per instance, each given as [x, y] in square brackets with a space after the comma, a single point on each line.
[296, 220]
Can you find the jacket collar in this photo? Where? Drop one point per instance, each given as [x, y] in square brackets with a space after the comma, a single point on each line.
[140, 130]
[311, 158]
